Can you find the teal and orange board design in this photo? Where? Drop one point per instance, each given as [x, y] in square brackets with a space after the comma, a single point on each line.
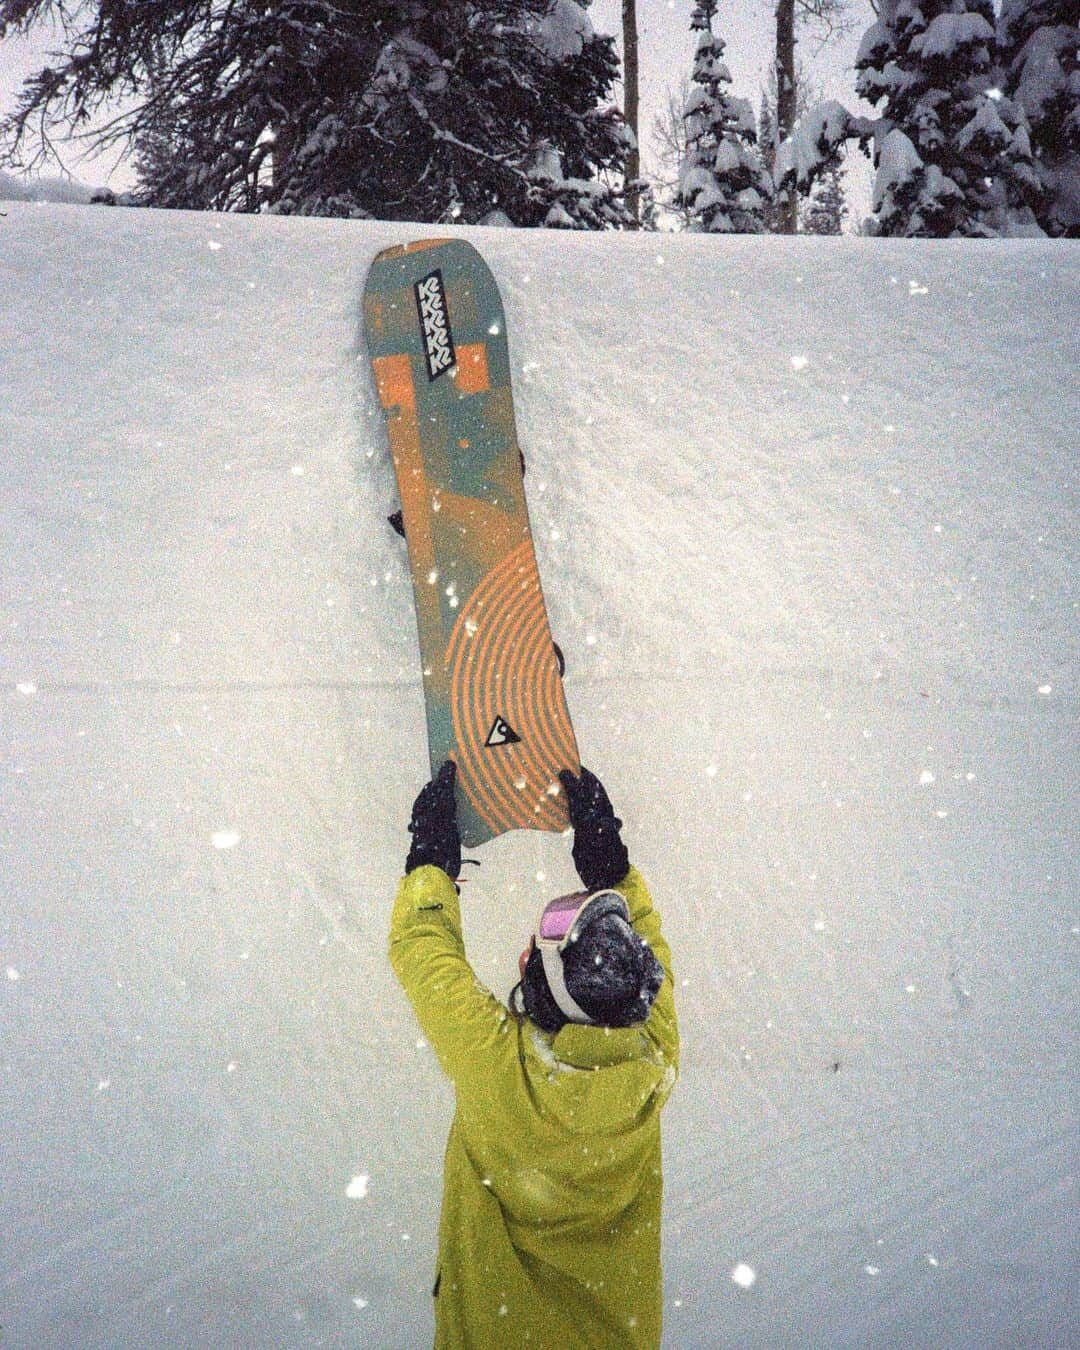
[436, 335]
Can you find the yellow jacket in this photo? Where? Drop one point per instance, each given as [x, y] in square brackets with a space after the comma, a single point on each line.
[550, 1227]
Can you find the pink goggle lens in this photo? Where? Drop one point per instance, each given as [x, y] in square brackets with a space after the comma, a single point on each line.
[558, 918]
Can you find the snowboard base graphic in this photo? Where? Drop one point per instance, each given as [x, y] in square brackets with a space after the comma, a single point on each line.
[436, 334]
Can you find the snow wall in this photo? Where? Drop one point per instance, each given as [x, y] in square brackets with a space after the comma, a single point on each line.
[807, 513]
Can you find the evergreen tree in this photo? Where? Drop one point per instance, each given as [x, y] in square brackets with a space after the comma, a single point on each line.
[650, 208]
[722, 185]
[827, 207]
[166, 148]
[952, 153]
[395, 109]
[1039, 45]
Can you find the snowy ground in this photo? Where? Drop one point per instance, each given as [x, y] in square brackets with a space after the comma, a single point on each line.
[807, 514]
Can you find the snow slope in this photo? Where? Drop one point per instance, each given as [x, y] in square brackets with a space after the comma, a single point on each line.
[807, 513]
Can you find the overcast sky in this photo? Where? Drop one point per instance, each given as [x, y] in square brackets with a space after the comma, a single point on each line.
[666, 54]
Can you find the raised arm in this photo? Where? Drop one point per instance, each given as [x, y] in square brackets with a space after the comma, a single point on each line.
[662, 1026]
[602, 861]
[460, 1019]
[457, 1015]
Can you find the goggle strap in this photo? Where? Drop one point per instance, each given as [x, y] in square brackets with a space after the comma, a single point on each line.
[553, 971]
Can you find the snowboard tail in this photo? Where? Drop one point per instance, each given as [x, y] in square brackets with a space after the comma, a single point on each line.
[493, 687]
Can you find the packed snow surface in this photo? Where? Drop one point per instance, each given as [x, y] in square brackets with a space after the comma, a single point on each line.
[807, 514]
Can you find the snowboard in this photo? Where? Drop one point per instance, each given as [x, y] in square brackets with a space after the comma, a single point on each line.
[492, 677]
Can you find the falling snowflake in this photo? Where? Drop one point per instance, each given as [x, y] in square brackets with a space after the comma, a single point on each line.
[357, 1189]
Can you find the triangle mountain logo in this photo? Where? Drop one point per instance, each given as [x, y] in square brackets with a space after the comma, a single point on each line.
[501, 733]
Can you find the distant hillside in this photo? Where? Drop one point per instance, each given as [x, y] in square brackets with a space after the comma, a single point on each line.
[17, 189]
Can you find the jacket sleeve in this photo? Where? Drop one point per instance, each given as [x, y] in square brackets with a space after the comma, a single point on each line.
[662, 1027]
[458, 1016]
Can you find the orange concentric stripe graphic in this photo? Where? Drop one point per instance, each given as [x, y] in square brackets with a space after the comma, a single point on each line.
[501, 664]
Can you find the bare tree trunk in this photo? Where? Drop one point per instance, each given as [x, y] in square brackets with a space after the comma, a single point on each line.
[630, 111]
[788, 206]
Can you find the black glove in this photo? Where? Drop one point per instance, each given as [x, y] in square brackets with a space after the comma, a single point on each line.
[599, 853]
[436, 840]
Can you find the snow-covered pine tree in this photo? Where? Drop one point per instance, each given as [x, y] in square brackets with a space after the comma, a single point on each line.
[952, 152]
[473, 110]
[158, 147]
[395, 109]
[556, 93]
[1039, 47]
[722, 184]
[827, 207]
[649, 207]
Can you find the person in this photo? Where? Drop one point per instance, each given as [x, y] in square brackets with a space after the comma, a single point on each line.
[549, 1235]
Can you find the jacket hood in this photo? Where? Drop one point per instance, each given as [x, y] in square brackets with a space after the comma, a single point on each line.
[594, 1095]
